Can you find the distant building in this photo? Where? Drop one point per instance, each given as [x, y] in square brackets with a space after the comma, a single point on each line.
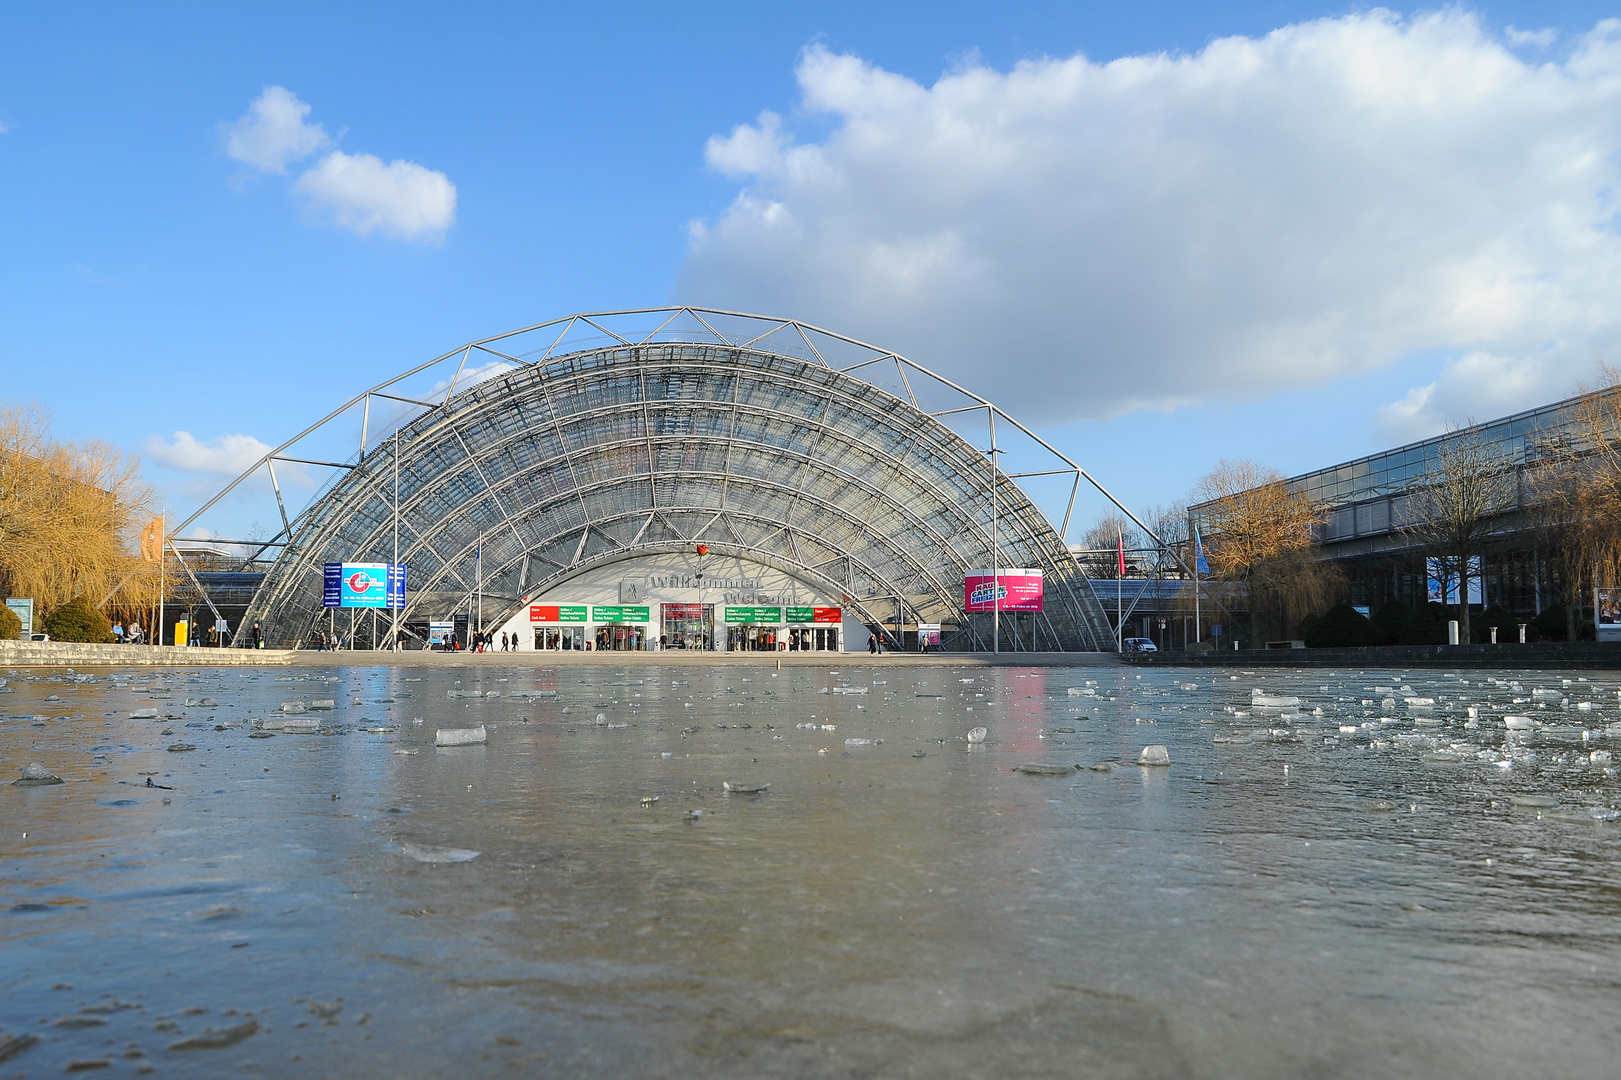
[1367, 502]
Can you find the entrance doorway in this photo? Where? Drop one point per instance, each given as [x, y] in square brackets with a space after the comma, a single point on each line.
[555, 638]
[621, 637]
[687, 626]
[813, 639]
[751, 637]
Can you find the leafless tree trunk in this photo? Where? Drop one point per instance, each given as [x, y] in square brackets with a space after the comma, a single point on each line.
[1453, 515]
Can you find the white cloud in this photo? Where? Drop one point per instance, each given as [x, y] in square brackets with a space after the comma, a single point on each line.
[1539, 38]
[1478, 386]
[357, 192]
[1077, 239]
[228, 455]
[273, 133]
[362, 194]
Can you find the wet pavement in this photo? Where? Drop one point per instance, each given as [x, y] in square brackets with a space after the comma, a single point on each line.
[1366, 881]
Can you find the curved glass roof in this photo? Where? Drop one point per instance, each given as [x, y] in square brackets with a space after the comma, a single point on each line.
[596, 439]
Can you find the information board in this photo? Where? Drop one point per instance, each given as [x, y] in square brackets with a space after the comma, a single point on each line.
[1607, 614]
[1002, 590]
[23, 608]
[363, 585]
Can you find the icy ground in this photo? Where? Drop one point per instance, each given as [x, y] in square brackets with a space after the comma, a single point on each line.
[1357, 873]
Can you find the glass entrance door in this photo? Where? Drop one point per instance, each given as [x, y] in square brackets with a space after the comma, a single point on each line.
[554, 638]
[621, 637]
[813, 639]
[750, 637]
[687, 626]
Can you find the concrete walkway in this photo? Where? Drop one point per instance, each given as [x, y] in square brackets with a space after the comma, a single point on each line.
[15, 654]
[679, 658]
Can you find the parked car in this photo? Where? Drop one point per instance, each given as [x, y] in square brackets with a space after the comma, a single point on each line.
[1138, 644]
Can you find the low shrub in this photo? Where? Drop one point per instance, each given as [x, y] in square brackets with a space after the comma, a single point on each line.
[1428, 626]
[1342, 626]
[77, 620]
[1507, 623]
[1551, 625]
[11, 627]
[1391, 620]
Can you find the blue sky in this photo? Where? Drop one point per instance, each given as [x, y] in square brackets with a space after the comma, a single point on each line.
[1328, 295]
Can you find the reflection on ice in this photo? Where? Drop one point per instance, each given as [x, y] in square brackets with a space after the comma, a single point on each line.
[682, 871]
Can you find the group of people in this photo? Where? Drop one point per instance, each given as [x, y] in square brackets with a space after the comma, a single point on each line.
[133, 636]
[485, 641]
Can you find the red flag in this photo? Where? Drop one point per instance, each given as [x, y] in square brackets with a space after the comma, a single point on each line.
[1122, 535]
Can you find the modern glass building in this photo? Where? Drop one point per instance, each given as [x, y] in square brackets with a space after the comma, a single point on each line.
[676, 478]
[1368, 500]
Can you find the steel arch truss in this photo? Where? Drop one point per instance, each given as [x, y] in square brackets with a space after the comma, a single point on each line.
[851, 468]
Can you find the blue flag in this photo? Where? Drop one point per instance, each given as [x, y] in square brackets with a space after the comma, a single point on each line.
[1199, 564]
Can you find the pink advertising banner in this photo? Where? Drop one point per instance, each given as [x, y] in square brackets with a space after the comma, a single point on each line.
[1020, 590]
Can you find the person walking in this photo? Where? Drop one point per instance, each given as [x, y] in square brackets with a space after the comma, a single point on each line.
[872, 644]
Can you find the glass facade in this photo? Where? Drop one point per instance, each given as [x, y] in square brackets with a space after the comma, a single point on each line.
[602, 455]
[1523, 438]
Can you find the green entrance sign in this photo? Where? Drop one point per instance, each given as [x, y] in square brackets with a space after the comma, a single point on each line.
[771, 615]
[603, 614]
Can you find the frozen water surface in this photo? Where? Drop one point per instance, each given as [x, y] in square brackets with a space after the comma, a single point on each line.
[1337, 886]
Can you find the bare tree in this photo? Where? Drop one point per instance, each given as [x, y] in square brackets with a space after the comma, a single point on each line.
[1578, 490]
[1261, 535]
[1101, 557]
[1453, 515]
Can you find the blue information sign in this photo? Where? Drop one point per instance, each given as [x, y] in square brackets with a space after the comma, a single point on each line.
[363, 585]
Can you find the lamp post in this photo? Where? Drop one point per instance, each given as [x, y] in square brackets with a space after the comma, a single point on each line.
[394, 623]
[706, 631]
[996, 561]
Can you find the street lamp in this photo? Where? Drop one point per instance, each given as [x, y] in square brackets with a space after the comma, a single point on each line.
[996, 562]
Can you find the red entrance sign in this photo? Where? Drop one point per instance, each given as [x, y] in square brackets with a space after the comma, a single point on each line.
[543, 613]
[682, 611]
[828, 615]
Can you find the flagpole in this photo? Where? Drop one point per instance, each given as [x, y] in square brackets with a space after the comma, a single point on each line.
[1198, 556]
[162, 584]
